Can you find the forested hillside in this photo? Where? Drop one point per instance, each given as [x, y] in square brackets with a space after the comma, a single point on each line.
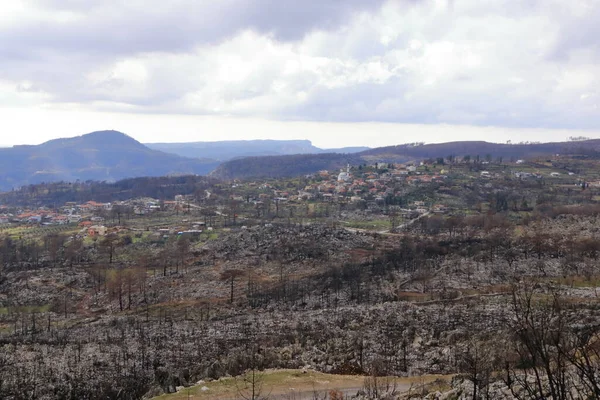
[283, 166]
[162, 188]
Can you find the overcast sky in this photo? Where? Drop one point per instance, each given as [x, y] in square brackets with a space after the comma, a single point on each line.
[338, 72]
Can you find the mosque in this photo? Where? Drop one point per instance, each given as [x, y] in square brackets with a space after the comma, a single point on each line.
[345, 176]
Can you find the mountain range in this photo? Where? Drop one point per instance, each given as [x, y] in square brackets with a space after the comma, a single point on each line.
[111, 155]
[233, 149]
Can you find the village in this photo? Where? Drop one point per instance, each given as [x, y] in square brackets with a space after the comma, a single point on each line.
[387, 194]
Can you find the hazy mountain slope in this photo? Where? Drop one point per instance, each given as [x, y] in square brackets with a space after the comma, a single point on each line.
[104, 155]
[231, 149]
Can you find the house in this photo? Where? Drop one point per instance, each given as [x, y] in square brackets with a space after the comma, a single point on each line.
[190, 233]
[305, 195]
[485, 174]
[554, 174]
[60, 220]
[519, 174]
[409, 214]
[35, 219]
[85, 224]
[440, 209]
[94, 206]
[97, 230]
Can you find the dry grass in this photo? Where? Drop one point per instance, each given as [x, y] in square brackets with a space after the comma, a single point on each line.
[278, 383]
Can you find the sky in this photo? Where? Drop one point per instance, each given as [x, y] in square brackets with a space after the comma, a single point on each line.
[337, 72]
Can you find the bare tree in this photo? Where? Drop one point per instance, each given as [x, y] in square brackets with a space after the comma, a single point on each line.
[231, 275]
[476, 360]
[542, 344]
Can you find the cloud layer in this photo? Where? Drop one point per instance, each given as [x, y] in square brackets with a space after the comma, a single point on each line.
[499, 63]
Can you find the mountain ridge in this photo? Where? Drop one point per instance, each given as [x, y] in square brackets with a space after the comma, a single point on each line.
[226, 150]
[99, 155]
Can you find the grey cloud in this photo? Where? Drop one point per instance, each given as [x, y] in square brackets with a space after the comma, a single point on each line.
[387, 103]
[578, 33]
[56, 58]
[290, 20]
[56, 54]
[116, 28]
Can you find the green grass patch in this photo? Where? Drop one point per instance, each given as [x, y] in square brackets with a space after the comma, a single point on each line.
[212, 235]
[25, 309]
[579, 281]
[376, 224]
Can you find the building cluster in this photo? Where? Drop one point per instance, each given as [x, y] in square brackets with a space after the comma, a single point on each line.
[68, 214]
[365, 184]
[370, 186]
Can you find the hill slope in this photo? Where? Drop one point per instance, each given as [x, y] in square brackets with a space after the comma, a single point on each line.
[298, 165]
[481, 148]
[231, 149]
[103, 156]
[283, 166]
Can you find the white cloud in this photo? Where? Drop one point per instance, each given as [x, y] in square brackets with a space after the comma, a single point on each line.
[498, 63]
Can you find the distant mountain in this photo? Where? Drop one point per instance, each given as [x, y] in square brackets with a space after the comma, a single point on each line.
[111, 156]
[310, 163]
[101, 156]
[474, 148]
[232, 149]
